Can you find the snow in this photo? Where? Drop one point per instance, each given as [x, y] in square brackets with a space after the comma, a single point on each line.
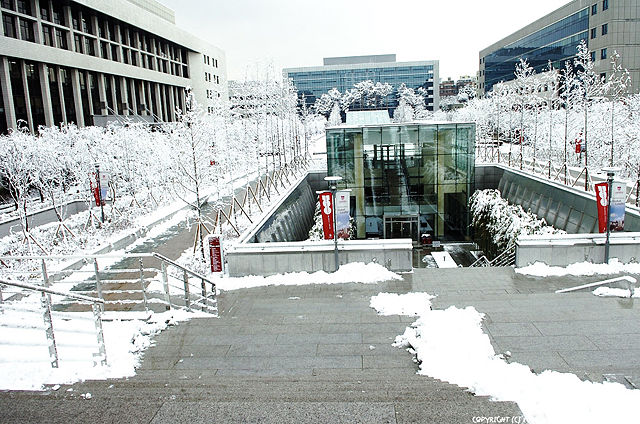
[540, 269]
[614, 292]
[24, 357]
[444, 260]
[451, 346]
[357, 272]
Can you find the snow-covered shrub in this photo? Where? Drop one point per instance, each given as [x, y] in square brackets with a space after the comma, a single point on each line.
[495, 220]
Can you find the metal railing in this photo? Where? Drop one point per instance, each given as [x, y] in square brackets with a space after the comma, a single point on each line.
[135, 286]
[48, 315]
[265, 188]
[559, 173]
[630, 282]
[506, 258]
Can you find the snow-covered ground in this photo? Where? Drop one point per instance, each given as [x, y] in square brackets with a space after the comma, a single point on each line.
[24, 357]
[358, 272]
[451, 346]
[614, 266]
[615, 292]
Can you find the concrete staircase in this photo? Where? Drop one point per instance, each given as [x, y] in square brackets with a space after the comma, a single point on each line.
[276, 354]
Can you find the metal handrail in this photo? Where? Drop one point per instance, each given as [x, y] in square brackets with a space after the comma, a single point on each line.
[481, 261]
[188, 271]
[51, 291]
[45, 302]
[630, 280]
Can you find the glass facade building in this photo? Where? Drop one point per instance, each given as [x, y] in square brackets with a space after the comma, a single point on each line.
[557, 43]
[406, 179]
[313, 82]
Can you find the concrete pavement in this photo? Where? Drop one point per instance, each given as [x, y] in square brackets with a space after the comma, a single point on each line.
[320, 354]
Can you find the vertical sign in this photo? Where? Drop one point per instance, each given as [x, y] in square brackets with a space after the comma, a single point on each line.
[602, 199]
[342, 214]
[618, 200]
[93, 186]
[326, 208]
[215, 253]
[104, 186]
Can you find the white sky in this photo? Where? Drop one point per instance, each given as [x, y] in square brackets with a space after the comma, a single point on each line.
[294, 33]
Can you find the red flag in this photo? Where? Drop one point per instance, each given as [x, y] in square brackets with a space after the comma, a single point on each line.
[602, 197]
[326, 208]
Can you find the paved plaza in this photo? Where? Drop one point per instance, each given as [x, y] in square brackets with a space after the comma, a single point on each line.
[320, 354]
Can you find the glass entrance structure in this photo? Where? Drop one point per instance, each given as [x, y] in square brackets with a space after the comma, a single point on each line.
[406, 179]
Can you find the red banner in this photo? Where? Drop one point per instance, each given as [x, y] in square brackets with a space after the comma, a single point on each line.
[215, 252]
[602, 197]
[326, 208]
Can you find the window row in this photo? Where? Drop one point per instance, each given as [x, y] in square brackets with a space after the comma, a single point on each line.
[604, 31]
[208, 60]
[594, 8]
[68, 100]
[84, 31]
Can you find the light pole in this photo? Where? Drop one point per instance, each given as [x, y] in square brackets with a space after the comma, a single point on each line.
[333, 186]
[610, 173]
[97, 166]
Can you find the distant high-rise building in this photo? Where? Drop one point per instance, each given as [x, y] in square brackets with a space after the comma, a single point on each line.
[92, 61]
[343, 72]
[605, 25]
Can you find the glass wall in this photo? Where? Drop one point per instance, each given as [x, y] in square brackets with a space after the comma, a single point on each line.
[406, 179]
[557, 43]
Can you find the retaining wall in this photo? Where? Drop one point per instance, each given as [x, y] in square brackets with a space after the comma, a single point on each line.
[565, 249]
[277, 258]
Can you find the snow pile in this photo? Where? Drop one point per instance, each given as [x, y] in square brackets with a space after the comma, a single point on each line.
[358, 272]
[496, 220]
[614, 266]
[24, 357]
[401, 304]
[451, 346]
[614, 292]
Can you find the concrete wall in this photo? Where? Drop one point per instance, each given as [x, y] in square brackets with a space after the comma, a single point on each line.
[291, 219]
[572, 210]
[562, 250]
[40, 218]
[276, 258]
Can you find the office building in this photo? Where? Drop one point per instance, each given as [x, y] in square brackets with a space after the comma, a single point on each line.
[606, 26]
[448, 88]
[343, 72]
[91, 61]
[406, 179]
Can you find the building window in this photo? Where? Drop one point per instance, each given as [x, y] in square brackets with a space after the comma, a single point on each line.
[86, 25]
[26, 30]
[9, 25]
[605, 29]
[593, 56]
[58, 14]
[24, 6]
[603, 76]
[593, 33]
[47, 38]
[603, 54]
[89, 47]
[61, 39]
[44, 10]
[594, 9]
[77, 42]
[605, 4]
[8, 4]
